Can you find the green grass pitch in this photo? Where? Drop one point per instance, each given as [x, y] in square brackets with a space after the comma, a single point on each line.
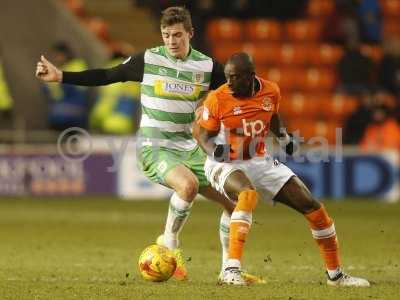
[88, 249]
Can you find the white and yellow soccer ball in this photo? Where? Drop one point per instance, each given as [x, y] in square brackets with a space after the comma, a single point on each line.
[157, 263]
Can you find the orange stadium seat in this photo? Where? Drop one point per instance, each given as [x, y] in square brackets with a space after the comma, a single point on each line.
[320, 8]
[224, 29]
[325, 55]
[312, 129]
[286, 78]
[294, 54]
[374, 52]
[317, 80]
[223, 51]
[390, 8]
[299, 105]
[263, 30]
[303, 30]
[262, 53]
[338, 106]
[327, 129]
[391, 26]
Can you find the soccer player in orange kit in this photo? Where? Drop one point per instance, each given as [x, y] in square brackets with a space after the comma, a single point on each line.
[234, 122]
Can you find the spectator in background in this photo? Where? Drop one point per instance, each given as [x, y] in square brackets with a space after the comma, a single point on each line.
[355, 70]
[278, 9]
[6, 100]
[370, 19]
[342, 24]
[116, 110]
[389, 68]
[383, 132]
[358, 120]
[68, 104]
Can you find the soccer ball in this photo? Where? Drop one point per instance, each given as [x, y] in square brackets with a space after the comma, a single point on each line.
[157, 263]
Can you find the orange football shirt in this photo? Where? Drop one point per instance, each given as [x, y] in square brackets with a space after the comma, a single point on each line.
[243, 122]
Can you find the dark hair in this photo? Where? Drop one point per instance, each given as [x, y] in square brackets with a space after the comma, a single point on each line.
[243, 61]
[174, 15]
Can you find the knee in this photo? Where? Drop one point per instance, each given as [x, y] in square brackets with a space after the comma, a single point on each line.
[188, 189]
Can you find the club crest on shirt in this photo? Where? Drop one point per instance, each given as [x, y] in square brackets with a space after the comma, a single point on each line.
[198, 77]
[267, 104]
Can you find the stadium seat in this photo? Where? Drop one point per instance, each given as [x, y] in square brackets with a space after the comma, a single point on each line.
[308, 129]
[219, 30]
[300, 105]
[390, 8]
[286, 78]
[338, 106]
[317, 80]
[320, 8]
[262, 53]
[325, 55]
[374, 52]
[294, 54]
[263, 30]
[223, 51]
[391, 26]
[303, 30]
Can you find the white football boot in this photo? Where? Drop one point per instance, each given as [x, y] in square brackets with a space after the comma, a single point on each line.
[232, 276]
[344, 279]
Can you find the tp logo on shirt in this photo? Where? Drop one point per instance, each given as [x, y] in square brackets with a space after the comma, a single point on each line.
[253, 128]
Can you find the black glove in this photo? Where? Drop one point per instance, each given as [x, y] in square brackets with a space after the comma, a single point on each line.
[221, 152]
[292, 146]
[289, 144]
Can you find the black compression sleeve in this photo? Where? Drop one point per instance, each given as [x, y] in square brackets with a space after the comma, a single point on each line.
[130, 70]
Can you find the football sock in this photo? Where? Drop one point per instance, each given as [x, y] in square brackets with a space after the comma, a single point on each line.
[178, 213]
[241, 220]
[224, 235]
[323, 232]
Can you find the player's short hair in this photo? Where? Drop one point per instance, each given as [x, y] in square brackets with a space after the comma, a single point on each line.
[242, 60]
[175, 15]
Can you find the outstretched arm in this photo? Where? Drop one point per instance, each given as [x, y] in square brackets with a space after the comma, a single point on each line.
[130, 70]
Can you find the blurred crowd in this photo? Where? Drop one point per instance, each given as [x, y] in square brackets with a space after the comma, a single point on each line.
[111, 109]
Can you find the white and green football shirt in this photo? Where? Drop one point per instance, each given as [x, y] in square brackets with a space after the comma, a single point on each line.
[170, 91]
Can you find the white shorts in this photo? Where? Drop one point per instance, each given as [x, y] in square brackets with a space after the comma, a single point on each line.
[267, 175]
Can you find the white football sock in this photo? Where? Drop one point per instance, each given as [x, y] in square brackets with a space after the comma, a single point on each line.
[224, 236]
[232, 263]
[178, 213]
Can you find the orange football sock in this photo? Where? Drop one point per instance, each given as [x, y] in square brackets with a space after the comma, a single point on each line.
[324, 233]
[241, 220]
